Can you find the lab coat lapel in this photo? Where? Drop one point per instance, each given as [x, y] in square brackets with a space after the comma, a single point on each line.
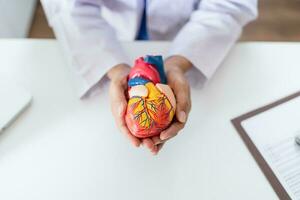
[166, 18]
[132, 17]
[125, 19]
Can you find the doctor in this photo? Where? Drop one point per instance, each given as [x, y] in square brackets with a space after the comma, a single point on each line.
[202, 33]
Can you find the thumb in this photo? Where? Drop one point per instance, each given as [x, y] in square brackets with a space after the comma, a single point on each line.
[183, 105]
[117, 99]
[181, 116]
[118, 107]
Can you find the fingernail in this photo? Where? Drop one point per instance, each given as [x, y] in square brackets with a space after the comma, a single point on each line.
[154, 151]
[182, 117]
[163, 137]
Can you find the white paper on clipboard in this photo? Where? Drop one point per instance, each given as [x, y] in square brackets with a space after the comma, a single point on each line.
[273, 132]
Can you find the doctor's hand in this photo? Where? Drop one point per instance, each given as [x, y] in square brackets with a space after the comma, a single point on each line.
[118, 101]
[117, 91]
[176, 67]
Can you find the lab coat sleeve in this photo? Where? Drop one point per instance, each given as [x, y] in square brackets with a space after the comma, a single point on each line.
[212, 30]
[89, 43]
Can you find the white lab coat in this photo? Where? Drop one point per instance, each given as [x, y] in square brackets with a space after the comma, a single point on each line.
[203, 31]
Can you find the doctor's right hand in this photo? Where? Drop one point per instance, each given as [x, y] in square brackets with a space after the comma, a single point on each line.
[118, 101]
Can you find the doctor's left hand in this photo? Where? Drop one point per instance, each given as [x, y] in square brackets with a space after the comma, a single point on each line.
[118, 101]
[176, 67]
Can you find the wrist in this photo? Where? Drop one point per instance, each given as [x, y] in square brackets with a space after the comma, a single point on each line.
[177, 63]
[118, 71]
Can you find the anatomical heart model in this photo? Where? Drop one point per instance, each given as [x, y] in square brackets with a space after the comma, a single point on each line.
[151, 104]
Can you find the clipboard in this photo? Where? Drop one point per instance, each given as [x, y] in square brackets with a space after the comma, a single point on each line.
[264, 166]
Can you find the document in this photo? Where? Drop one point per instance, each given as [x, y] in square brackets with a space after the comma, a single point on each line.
[273, 132]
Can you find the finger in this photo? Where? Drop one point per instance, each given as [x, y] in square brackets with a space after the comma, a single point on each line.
[156, 140]
[117, 98]
[183, 99]
[118, 107]
[171, 131]
[147, 142]
[134, 140]
[183, 102]
[158, 148]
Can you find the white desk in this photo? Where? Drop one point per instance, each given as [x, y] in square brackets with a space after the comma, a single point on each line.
[66, 149]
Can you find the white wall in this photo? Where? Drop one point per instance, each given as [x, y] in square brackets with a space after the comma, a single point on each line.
[16, 17]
